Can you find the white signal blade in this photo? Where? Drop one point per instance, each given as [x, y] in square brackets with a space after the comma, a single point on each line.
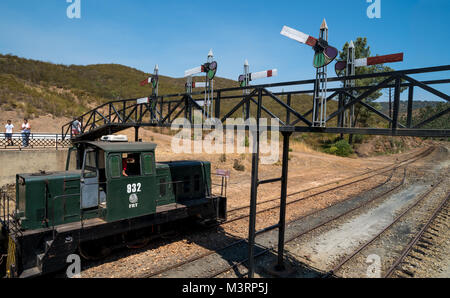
[298, 36]
[140, 101]
[200, 102]
[199, 85]
[361, 62]
[263, 74]
[193, 71]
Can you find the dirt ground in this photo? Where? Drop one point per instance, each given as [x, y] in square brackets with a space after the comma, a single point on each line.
[41, 124]
[307, 168]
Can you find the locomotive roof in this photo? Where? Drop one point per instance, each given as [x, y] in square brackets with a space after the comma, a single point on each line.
[124, 147]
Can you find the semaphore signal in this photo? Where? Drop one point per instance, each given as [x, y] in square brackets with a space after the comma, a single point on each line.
[210, 70]
[256, 75]
[152, 80]
[348, 68]
[324, 54]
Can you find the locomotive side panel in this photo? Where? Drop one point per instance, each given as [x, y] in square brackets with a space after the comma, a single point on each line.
[133, 192]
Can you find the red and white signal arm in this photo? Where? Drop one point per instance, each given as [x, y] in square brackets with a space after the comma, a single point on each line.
[379, 60]
[146, 81]
[263, 74]
[341, 65]
[223, 173]
[198, 85]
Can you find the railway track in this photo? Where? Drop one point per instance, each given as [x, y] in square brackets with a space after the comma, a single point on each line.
[397, 219]
[315, 227]
[421, 242]
[239, 245]
[375, 173]
[242, 242]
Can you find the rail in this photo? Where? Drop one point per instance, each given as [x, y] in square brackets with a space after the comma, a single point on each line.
[22, 141]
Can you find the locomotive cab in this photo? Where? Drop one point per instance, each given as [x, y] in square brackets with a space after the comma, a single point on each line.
[119, 179]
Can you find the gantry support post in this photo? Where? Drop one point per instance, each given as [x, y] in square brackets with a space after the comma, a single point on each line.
[410, 106]
[247, 109]
[217, 106]
[390, 106]
[188, 108]
[284, 180]
[136, 133]
[254, 192]
[396, 105]
[168, 112]
[341, 116]
[288, 113]
[161, 110]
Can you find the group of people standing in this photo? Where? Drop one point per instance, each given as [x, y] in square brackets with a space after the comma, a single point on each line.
[26, 130]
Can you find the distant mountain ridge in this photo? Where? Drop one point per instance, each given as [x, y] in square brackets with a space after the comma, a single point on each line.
[37, 88]
[417, 105]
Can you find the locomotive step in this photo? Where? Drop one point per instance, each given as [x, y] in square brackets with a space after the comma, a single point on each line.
[34, 271]
[39, 259]
[48, 244]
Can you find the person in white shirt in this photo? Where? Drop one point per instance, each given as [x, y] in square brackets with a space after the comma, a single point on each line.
[9, 131]
[26, 129]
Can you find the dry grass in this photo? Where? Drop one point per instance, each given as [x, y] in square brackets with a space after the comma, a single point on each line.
[301, 147]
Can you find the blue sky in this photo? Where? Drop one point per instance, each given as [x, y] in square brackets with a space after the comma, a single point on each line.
[177, 35]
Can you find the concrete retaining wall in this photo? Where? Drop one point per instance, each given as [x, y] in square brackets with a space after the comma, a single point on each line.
[16, 162]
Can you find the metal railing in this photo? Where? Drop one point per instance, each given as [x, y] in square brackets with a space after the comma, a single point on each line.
[7, 217]
[34, 141]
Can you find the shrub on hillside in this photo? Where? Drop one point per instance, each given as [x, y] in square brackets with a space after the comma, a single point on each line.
[340, 148]
[238, 166]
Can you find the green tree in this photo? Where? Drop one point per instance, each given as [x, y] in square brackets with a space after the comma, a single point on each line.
[427, 112]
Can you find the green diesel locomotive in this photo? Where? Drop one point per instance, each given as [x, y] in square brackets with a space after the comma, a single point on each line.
[116, 191]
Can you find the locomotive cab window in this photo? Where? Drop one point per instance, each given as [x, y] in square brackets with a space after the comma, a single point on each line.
[115, 164]
[131, 165]
[90, 164]
[147, 163]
